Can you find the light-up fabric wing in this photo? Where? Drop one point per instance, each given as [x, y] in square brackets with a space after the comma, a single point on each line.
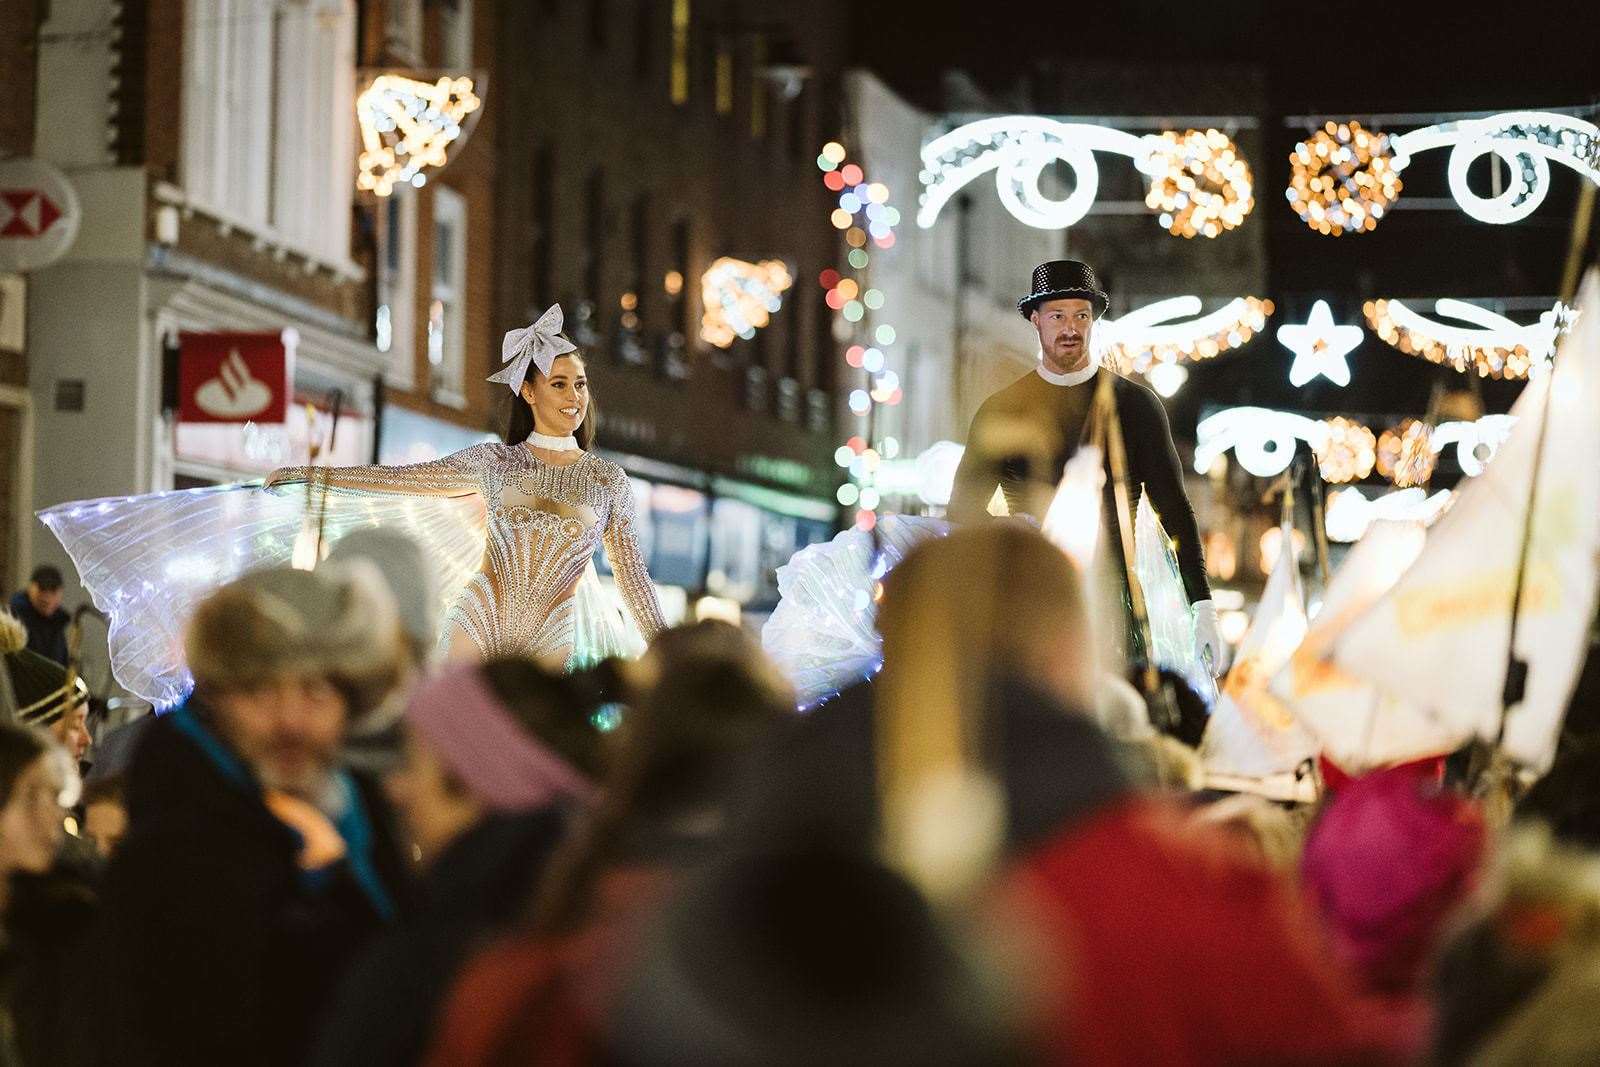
[1167, 603]
[148, 560]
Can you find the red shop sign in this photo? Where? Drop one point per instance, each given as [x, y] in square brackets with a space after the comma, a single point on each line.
[235, 377]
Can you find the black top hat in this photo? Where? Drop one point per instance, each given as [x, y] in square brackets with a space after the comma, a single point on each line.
[38, 684]
[1063, 279]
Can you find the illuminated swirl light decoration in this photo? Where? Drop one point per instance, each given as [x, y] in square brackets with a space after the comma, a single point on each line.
[1492, 346]
[408, 126]
[1344, 178]
[740, 298]
[1350, 511]
[1200, 185]
[1146, 341]
[1264, 441]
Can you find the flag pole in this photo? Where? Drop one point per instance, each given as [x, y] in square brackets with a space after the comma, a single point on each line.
[1516, 684]
[1157, 694]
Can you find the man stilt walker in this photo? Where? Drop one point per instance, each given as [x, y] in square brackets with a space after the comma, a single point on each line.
[1022, 437]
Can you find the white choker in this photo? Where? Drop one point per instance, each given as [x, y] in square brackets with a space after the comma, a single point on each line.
[1075, 377]
[553, 444]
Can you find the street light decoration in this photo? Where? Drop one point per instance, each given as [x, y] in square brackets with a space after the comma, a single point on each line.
[1492, 346]
[1406, 455]
[408, 126]
[1200, 184]
[1347, 453]
[1345, 179]
[1205, 187]
[1146, 338]
[740, 298]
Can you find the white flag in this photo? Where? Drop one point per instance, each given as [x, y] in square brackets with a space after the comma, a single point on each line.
[1355, 724]
[1251, 734]
[1438, 639]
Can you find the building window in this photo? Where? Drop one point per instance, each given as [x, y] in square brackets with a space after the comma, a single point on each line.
[758, 87]
[594, 239]
[676, 286]
[638, 280]
[447, 303]
[402, 30]
[395, 327]
[268, 114]
[455, 33]
[680, 51]
[823, 368]
[644, 39]
[723, 90]
[542, 245]
[598, 17]
[796, 113]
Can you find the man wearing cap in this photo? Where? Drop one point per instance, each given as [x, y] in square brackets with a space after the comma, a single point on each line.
[254, 867]
[1022, 437]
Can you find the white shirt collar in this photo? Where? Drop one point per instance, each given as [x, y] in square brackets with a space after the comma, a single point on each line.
[1077, 377]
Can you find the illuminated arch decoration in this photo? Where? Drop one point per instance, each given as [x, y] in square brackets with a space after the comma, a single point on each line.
[1263, 442]
[1148, 342]
[740, 298]
[408, 127]
[865, 216]
[1200, 184]
[1491, 346]
[1344, 179]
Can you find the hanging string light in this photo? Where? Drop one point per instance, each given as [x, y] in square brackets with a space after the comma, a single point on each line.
[865, 216]
[1406, 455]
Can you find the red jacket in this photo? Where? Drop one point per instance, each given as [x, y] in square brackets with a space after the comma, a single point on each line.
[1170, 946]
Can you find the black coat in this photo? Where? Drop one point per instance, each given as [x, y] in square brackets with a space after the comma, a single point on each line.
[217, 948]
[1022, 437]
[819, 781]
[385, 1010]
[47, 634]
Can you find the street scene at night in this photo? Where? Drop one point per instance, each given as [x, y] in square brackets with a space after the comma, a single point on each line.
[737, 532]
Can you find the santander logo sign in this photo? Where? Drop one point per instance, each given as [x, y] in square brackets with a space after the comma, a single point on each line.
[234, 377]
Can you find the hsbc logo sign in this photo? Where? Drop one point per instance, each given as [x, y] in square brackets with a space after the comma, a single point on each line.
[39, 214]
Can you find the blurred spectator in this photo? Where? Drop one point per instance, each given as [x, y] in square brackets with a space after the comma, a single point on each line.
[494, 755]
[45, 910]
[1567, 798]
[253, 869]
[105, 814]
[706, 694]
[1270, 832]
[374, 745]
[37, 687]
[38, 607]
[72, 732]
[1391, 858]
[800, 957]
[1520, 981]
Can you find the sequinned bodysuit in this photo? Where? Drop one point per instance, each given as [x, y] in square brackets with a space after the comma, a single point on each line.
[544, 523]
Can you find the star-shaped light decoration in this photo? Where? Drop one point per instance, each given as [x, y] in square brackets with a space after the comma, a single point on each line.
[1319, 347]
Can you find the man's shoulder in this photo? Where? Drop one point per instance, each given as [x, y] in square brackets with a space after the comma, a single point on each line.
[19, 604]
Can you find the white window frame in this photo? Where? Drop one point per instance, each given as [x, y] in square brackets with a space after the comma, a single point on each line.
[455, 36]
[447, 342]
[268, 121]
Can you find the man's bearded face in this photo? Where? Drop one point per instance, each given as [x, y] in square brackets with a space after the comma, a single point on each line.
[1064, 329]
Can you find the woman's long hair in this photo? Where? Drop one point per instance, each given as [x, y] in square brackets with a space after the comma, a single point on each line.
[520, 424]
[711, 694]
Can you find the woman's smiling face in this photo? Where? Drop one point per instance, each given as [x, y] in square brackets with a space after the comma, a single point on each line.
[560, 399]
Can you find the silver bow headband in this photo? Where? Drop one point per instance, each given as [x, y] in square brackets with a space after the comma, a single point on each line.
[538, 344]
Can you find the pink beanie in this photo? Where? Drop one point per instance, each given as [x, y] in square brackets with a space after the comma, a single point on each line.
[1388, 861]
[504, 765]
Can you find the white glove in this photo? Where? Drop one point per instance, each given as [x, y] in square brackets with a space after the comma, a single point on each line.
[1208, 642]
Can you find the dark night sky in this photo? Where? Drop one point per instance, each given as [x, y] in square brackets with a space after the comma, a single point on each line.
[1393, 57]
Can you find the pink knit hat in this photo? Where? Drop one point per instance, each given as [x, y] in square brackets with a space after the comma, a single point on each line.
[1387, 863]
[503, 764]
